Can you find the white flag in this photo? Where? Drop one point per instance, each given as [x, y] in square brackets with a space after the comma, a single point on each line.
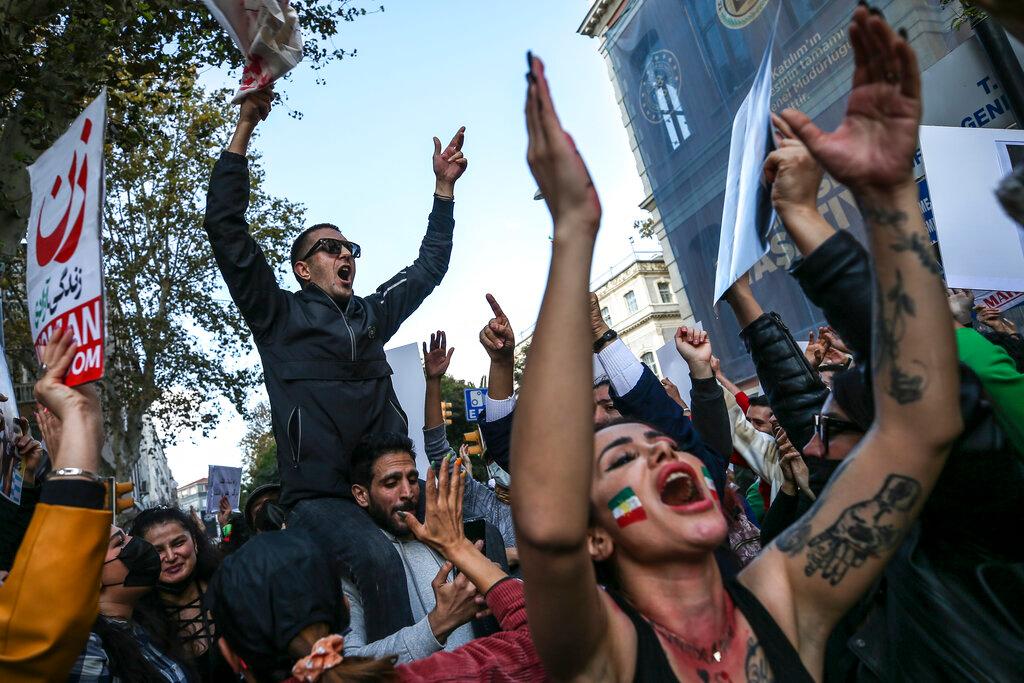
[267, 33]
[747, 215]
[65, 258]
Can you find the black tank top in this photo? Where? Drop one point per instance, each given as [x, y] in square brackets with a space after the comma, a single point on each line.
[652, 664]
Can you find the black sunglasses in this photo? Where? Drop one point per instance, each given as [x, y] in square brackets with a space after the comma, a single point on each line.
[333, 247]
[826, 427]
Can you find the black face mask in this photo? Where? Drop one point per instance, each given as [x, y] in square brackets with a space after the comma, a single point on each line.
[143, 564]
[819, 471]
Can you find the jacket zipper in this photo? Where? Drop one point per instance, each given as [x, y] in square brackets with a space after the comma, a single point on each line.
[402, 417]
[351, 336]
[297, 448]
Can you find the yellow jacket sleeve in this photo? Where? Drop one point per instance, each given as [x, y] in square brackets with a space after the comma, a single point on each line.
[50, 601]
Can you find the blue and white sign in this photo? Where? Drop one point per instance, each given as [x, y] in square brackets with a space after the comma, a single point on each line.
[474, 403]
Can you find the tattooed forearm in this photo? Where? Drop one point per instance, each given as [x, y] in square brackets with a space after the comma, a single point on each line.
[862, 531]
[906, 381]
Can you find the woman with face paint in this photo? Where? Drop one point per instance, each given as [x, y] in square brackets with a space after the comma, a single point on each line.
[120, 648]
[616, 534]
[187, 562]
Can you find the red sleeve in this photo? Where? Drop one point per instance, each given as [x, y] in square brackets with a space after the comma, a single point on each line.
[508, 655]
[743, 401]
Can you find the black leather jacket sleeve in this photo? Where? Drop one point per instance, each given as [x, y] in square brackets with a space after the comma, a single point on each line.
[794, 389]
[836, 277]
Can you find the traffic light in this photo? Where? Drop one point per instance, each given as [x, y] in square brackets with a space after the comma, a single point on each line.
[446, 412]
[473, 439]
[122, 501]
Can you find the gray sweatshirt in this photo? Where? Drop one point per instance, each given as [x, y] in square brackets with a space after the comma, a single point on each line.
[412, 642]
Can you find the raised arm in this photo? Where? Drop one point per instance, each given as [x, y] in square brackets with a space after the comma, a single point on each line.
[551, 496]
[401, 295]
[839, 548]
[250, 279]
[62, 552]
[499, 342]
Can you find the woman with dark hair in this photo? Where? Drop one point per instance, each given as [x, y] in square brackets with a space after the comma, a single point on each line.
[187, 562]
[119, 647]
[630, 498]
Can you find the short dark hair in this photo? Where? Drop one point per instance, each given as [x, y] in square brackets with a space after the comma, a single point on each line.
[301, 243]
[370, 448]
[602, 381]
[759, 401]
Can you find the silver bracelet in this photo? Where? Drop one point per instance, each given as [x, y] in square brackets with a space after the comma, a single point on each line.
[74, 472]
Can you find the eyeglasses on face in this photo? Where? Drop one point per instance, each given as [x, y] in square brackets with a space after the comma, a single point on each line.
[333, 247]
[825, 427]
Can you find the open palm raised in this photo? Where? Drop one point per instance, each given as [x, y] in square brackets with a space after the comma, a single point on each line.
[874, 145]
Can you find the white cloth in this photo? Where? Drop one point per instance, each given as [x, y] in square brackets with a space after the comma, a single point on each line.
[267, 33]
[757, 449]
[498, 408]
[624, 370]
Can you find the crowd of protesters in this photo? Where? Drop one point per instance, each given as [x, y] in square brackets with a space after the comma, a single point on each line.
[854, 522]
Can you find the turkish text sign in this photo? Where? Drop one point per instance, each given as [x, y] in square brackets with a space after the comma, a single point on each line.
[65, 260]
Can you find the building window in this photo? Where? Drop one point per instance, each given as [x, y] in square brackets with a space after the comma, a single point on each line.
[648, 360]
[606, 315]
[631, 301]
[665, 292]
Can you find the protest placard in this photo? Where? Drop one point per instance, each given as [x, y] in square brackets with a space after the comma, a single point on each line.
[12, 468]
[747, 214]
[223, 480]
[982, 247]
[65, 260]
[410, 387]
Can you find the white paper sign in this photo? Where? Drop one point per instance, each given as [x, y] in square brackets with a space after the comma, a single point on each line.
[747, 214]
[65, 260]
[1004, 301]
[675, 368]
[223, 481]
[267, 33]
[411, 388]
[982, 247]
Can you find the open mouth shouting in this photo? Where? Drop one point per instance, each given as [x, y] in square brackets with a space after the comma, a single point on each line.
[679, 488]
[345, 275]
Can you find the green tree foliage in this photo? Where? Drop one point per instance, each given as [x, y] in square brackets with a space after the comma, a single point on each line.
[174, 338]
[520, 364]
[57, 55]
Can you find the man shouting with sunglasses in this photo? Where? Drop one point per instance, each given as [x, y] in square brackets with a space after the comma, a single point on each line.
[322, 347]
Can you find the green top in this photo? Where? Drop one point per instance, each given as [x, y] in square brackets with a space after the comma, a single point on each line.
[755, 501]
[999, 376]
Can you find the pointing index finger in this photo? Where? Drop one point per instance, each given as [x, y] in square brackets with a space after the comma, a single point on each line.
[495, 308]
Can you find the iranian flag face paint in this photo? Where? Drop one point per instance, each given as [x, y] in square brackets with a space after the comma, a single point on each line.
[626, 508]
[710, 483]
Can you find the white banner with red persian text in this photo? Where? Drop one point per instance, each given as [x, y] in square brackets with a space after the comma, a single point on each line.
[65, 260]
[1004, 301]
[267, 33]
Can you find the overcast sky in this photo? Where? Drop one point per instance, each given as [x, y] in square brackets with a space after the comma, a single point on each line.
[360, 158]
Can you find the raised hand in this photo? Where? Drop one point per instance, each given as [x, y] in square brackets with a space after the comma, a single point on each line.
[451, 163]
[993, 317]
[792, 172]
[817, 348]
[50, 426]
[874, 145]
[497, 337]
[437, 358]
[834, 340]
[441, 528]
[555, 163]
[253, 109]
[794, 469]
[456, 602]
[597, 322]
[693, 345]
[223, 510]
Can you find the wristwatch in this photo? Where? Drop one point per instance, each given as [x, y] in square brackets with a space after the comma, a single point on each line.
[604, 340]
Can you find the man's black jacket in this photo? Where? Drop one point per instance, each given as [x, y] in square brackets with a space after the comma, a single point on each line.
[326, 373]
